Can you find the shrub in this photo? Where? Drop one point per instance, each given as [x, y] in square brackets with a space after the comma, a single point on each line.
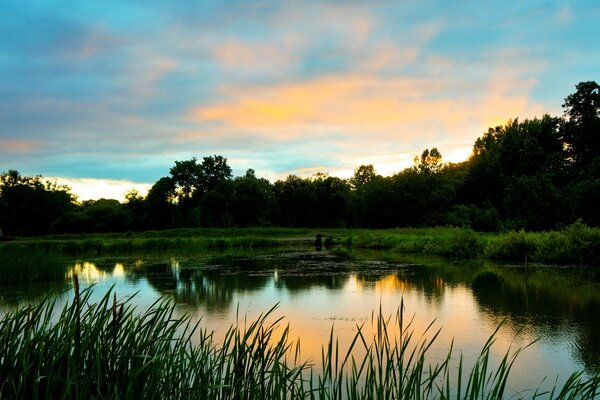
[515, 246]
[465, 243]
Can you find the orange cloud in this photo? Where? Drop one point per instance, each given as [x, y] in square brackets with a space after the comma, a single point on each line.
[366, 103]
[361, 117]
[339, 100]
[18, 146]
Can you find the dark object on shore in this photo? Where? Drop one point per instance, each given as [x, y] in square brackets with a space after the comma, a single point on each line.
[318, 242]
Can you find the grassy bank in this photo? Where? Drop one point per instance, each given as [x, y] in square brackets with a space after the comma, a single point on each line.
[111, 350]
[27, 265]
[40, 258]
[576, 244]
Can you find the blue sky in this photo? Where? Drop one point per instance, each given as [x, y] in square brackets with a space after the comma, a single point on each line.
[109, 93]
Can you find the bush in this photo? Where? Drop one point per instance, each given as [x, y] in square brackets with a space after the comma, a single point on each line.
[515, 246]
[584, 243]
[464, 244]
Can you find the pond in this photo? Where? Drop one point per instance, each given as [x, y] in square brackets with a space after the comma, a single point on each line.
[554, 311]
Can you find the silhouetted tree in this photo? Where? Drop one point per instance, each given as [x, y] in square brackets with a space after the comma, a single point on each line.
[186, 178]
[106, 215]
[215, 206]
[252, 200]
[29, 206]
[295, 202]
[159, 204]
[363, 175]
[430, 161]
[332, 196]
[213, 171]
[581, 128]
[535, 174]
[134, 206]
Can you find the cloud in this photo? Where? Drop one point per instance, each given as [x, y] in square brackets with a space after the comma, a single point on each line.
[112, 90]
[362, 104]
[18, 146]
[244, 57]
[146, 70]
[564, 14]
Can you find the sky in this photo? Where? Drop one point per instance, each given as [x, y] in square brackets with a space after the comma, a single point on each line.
[105, 95]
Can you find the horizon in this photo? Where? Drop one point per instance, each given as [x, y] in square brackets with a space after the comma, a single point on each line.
[94, 189]
[104, 97]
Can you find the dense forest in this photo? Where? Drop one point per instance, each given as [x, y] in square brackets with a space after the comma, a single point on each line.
[535, 174]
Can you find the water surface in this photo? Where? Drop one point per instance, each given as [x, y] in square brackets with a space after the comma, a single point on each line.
[555, 309]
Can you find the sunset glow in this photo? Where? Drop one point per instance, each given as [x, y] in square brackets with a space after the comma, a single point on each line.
[106, 96]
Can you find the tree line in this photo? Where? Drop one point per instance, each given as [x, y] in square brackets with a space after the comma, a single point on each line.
[536, 174]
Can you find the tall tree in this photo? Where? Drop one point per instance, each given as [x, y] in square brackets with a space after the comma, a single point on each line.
[159, 204]
[430, 161]
[212, 171]
[29, 206]
[186, 177]
[581, 129]
[363, 175]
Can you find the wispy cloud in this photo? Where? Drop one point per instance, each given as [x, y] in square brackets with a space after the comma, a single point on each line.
[113, 90]
[360, 104]
[18, 146]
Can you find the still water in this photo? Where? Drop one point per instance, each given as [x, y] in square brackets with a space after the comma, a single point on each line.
[558, 310]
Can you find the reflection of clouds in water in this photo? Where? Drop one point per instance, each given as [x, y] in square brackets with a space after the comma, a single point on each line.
[467, 302]
[391, 283]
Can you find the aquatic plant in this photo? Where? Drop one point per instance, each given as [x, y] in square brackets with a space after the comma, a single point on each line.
[109, 349]
[23, 264]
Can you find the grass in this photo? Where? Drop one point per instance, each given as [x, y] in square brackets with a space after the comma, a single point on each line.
[27, 265]
[40, 258]
[109, 349]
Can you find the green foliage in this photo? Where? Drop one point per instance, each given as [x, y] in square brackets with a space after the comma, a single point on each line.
[580, 129]
[575, 244]
[515, 246]
[28, 205]
[584, 243]
[465, 243]
[430, 161]
[363, 175]
[111, 350]
[20, 263]
[485, 219]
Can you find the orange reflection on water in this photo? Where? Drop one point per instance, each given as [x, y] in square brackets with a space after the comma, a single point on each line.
[119, 270]
[391, 283]
[87, 273]
[354, 284]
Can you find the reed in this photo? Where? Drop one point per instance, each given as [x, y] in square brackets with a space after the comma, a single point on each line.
[22, 264]
[108, 349]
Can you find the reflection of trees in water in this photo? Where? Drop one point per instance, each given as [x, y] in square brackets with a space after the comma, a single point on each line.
[547, 302]
[295, 283]
[18, 295]
[215, 291]
[548, 309]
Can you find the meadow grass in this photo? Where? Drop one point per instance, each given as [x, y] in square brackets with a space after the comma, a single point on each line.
[576, 244]
[27, 265]
[108, 349]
